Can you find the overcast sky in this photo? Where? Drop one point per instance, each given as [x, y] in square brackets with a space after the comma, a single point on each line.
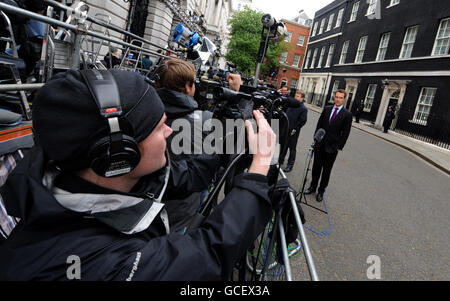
[288, 9]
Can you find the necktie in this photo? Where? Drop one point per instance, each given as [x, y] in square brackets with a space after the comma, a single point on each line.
[334, 115]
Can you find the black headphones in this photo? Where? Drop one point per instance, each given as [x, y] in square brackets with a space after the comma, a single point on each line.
[116, 154]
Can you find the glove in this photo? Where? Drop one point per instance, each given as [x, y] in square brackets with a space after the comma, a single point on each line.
[293, 132]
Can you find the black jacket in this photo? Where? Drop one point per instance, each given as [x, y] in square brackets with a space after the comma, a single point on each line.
[297, 117]
[123, 236]
[390, 116]
[181, 107]
[338, 132]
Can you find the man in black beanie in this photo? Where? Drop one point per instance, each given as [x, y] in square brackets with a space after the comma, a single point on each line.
[77, 224]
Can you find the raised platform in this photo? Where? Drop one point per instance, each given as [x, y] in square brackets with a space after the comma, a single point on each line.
[17, 137]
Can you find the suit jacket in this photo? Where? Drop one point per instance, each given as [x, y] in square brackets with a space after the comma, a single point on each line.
[338, 132]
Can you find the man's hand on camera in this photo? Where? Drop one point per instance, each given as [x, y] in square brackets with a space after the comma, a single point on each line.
[235, 81]
[293, 132]
[262, 144]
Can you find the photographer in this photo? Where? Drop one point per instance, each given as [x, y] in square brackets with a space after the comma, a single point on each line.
[116, 228]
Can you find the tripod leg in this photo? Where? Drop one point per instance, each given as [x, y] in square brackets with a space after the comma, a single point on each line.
[284, 248]
[308, 256]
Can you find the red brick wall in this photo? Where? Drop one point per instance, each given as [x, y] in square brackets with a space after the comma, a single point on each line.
[292, 72]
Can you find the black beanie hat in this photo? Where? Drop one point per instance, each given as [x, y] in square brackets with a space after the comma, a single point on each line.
[67, 121]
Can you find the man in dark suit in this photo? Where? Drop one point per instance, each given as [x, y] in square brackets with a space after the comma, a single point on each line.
[297, 119]
[337, 122]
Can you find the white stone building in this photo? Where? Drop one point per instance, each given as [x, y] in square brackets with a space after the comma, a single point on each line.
[210, 18]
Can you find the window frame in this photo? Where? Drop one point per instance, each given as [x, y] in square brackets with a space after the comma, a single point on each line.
[322, 55]
[322, 26]
[298, 41]
[354, 13]
[306, 63]
[285, 58]
[436, 40]
[421, 103]
[403, 49]
[368, 104]
[289, 35]
[372, 7]
[382, 47]
[296, 83]
[359, 58]
[330, 55]
[343, 58]
[313, 63]
[392, 3]
[330, 21]
[340, 17]
[314, 32]
[299, 59]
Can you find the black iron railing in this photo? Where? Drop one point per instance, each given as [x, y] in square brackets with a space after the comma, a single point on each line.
[434, 130]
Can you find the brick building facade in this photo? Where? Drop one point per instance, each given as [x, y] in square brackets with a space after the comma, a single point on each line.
[292, 60]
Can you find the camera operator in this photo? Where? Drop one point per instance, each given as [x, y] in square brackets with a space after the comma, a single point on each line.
[297, 119]
[116, 227]
[176, 88]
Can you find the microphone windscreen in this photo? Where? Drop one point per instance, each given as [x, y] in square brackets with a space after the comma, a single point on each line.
[320, 135]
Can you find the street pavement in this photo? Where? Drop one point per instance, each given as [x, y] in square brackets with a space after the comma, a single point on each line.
[383, 200]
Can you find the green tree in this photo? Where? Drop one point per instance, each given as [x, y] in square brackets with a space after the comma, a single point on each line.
[245, 39]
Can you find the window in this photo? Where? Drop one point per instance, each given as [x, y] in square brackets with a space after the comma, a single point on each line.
[370, 97]
[354, 12]
[361, 49]
[288, 37]
[330, 55]
[315, 29]
[294, 82]
[333, 92]
[339, 18]
[344, 52]
[296, 60]
[301, 40]
[322, 55]
[408, 42]
[330, 22]
[314, 58]
[442, 43]
[382, 49]
[322, 25]
[372, 7]
[424, 105]
[394, 2]
[307, 60]
[283, 58]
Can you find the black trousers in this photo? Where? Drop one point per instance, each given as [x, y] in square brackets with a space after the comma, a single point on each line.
[292, 147]
[323, 164]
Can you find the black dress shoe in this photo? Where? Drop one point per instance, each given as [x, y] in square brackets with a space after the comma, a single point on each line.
[288, 168]
[310, 190]
[319, 197]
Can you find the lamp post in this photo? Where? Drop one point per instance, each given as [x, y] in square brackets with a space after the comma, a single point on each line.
[275, 31]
